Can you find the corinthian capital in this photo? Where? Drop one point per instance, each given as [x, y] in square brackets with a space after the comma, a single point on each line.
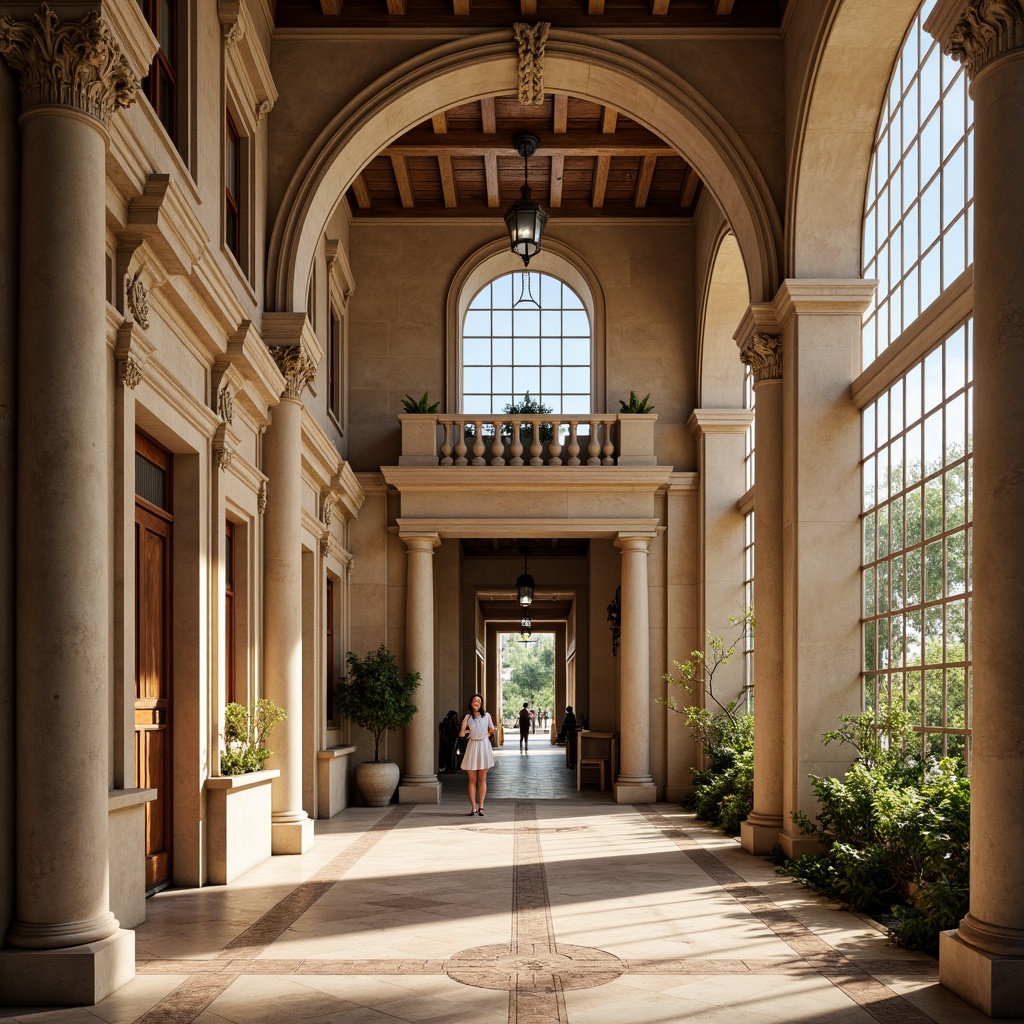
[763, 354]
[975, 32]
[72, 64]
[298, 369]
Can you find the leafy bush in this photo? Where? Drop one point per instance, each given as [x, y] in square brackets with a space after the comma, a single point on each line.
[895, 831]
[375, 695]
[527, 407]
[423, 404]
[635, 404]
[246, 728]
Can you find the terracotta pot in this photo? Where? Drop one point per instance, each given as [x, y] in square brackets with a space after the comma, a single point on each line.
[377, 782]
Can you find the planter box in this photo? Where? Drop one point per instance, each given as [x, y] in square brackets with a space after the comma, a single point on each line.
[126, 825]
[238, 820]
[419, 439]
[636, 439]
[332, 780]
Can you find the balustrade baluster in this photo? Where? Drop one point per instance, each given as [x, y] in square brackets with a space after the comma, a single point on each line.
[535, 446]
[478, 444]
[594, 447]
[517, 445]
[607, 448]
[446, 443]
[574, 445]
[460, 443]
[555, 447]
[497, 445]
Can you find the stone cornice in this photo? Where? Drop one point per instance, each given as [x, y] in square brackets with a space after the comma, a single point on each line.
[524, 479]
[490, 528]
[763, 354]
[719, 421]
[69, 64]
[976, 32]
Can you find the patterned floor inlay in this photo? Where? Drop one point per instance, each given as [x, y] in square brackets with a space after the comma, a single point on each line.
[532, 967]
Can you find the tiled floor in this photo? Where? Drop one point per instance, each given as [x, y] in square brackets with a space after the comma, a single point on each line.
[553, 907]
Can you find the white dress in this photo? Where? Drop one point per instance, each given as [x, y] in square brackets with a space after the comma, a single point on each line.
[478, 751]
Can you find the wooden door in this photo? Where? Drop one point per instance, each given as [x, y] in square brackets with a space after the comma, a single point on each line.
[153, 715]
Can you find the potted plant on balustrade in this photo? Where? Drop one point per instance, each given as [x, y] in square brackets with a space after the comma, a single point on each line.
[246, 730]
[375, 695]
[636, 431]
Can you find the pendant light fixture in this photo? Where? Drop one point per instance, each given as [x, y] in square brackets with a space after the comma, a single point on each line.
[525, 584]
[525, 218]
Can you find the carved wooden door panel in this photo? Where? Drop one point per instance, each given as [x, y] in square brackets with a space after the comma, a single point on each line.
[153, 655]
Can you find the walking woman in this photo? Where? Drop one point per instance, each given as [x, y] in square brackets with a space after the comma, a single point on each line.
[477, 725]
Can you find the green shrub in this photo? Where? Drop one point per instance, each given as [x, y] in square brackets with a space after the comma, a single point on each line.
[895, 831]
[246, 728]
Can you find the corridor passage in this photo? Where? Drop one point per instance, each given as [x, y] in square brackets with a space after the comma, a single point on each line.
[544, 910]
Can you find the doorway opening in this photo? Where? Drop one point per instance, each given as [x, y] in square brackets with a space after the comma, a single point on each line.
[527, 680]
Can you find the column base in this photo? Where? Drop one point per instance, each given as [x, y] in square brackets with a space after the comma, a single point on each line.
[994, 984]
[72, 976]
[797, 846]
[635, 792]
[291, 837]
[419, 792]
[759, 837]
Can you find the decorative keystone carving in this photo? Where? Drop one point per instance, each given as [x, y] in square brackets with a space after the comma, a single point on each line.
[763, 354]
[137, 298]
[985, 30]
[298, 369]
[130, 371]
[226, 403]
[68, 64]
[531, 39]
[261, 499]
[330, 499]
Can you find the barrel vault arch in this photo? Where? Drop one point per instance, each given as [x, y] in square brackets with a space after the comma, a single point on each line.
[599, 70]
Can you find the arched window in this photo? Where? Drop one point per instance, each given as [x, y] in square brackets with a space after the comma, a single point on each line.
[917, 421]
[527, 338]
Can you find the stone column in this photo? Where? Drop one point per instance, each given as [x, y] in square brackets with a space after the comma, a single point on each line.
[983, 959]
[291, 827]
[73, 78]
[420, 784]
[820, 325]
[635, 785]
[763, 354]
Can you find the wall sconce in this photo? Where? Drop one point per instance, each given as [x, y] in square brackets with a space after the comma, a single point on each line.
[615, 618]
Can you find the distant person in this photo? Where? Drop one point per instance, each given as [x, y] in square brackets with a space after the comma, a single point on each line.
[477, 727]
[449, 729]
[568, 725]
[525, 724]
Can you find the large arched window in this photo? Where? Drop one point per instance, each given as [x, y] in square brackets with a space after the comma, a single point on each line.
[527, 337]
[917, 416]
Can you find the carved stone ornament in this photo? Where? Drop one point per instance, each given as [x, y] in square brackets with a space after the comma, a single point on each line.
[68, 64]
[763, 354]
[330, 500]
[261, 499]
[224, 454]
[262, 109]
[297, 367]
[985, 30]
[130, 372]
[325, 543]
[531, 39]
[226, 404]
[137, 299]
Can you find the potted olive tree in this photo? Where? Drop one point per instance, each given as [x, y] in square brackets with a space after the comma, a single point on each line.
[375, 695]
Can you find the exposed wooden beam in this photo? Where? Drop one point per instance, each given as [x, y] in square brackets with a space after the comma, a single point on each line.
[557, 171]
[528, 8]
[396, 7]
[604, 164]
[361, 192]
[560, 120]
[723, 6]
[595, 6]
[659, 6]
[451, 195]
[628, 142]
[643, 184]
[440, 123]
[609, 119]
[491, 176]
[688, 189]
[330, 6]
[460, 7]
[402, 180]
[487, 117]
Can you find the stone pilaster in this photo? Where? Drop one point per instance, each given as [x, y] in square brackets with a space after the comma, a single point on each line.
[762, 352]
[983, 959]
[292, 828]
[72, 77]
[635, 785]
[420, 785]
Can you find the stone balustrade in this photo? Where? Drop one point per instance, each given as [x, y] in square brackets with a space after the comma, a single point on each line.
[597, 439]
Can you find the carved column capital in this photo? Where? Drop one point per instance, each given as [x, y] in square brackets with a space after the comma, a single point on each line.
[72, 64]
[976, 32]
[298, 369]
[532, 39]
[763, 354]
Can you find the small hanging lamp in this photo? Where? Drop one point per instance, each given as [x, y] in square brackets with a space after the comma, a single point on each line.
[525, 584]
[525, 218]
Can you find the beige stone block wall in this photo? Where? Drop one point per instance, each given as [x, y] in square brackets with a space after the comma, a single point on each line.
[597, 689]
